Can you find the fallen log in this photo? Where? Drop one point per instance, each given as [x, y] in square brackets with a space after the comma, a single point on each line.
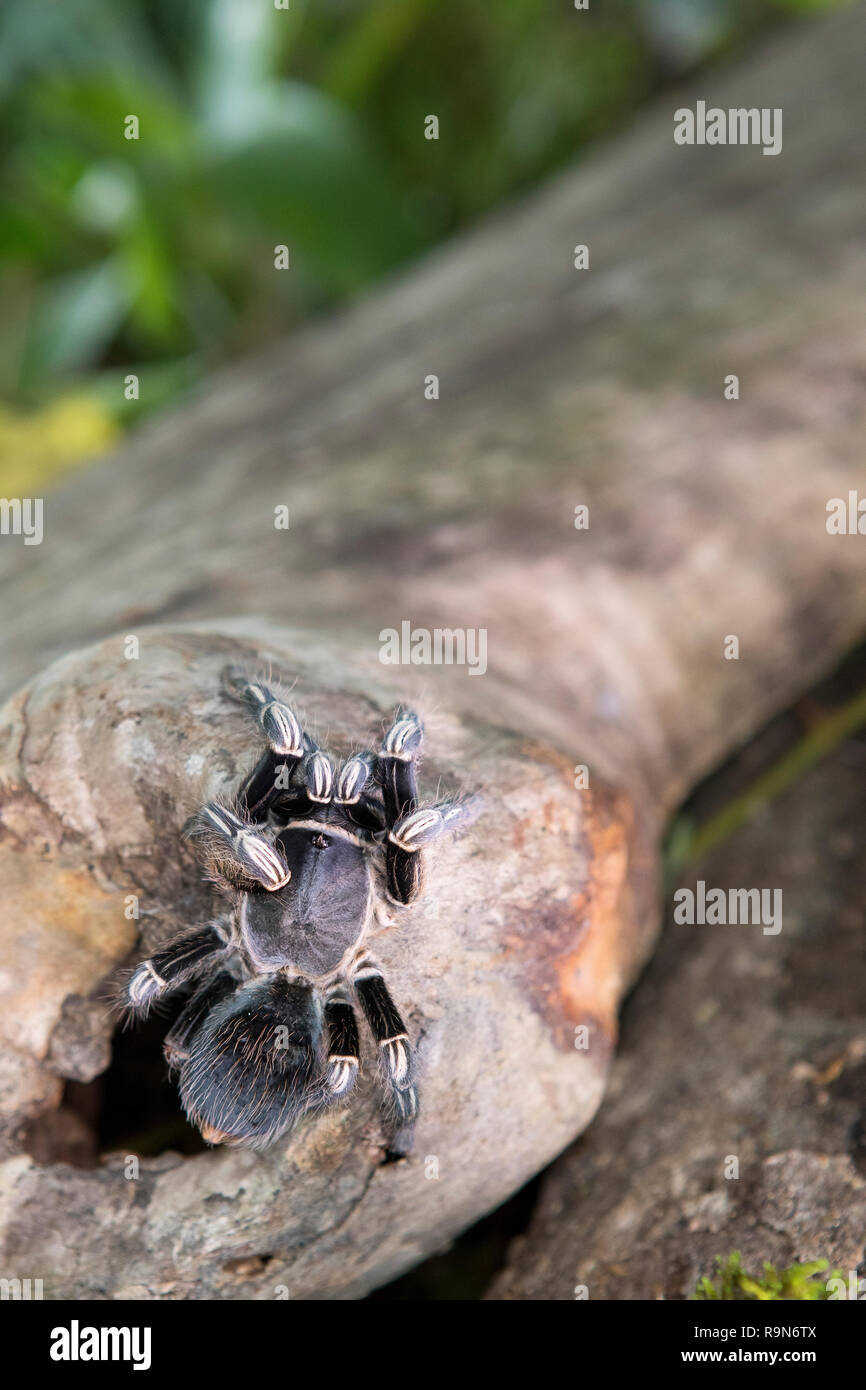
[608, 648]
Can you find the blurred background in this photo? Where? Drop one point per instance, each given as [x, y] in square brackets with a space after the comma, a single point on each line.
[262, 126]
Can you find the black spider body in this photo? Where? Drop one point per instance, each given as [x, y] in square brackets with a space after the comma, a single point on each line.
[305, 855]
[324, 909]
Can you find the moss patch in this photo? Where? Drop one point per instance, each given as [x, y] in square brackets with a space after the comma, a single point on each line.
[733, 1283]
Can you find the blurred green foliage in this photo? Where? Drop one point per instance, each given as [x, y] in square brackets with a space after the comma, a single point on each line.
[261, 126]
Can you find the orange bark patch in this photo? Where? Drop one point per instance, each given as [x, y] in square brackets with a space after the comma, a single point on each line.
[579, 953]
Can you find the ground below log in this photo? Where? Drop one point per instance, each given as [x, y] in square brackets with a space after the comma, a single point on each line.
[735, 1045]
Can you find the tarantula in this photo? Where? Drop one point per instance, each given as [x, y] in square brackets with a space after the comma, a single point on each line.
[269, 1032]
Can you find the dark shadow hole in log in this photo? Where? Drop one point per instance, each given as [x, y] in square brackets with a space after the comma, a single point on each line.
[141, 1111]
[132, 1108]
[465, 1270]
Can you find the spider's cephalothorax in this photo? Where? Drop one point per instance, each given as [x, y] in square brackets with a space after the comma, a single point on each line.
[269, 1031]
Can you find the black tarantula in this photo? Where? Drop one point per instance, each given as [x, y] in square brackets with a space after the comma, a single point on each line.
[270, 1033]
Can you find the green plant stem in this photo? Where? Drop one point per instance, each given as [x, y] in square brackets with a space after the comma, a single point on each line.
[814, 746]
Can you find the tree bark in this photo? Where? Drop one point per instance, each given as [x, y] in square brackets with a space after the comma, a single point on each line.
[605, 647]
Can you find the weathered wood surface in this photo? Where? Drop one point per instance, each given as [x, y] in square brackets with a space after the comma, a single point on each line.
[605, 647]
[734, 1115]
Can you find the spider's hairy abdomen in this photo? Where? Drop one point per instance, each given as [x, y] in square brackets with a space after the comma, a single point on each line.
[253, 1068]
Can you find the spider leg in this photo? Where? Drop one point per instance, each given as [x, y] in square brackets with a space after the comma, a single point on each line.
[397, 766]
[398, 762]
[343, 1045]
[426, 824]
[406, 839]
[193, 1014]
[358, 793]
[318, 777]
[285, 738]
[235, 852]
[396, 1065]
[352, 778]
[172, 966]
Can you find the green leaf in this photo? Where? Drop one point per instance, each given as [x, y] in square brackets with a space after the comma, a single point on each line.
[306, 176]
[77, 316]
